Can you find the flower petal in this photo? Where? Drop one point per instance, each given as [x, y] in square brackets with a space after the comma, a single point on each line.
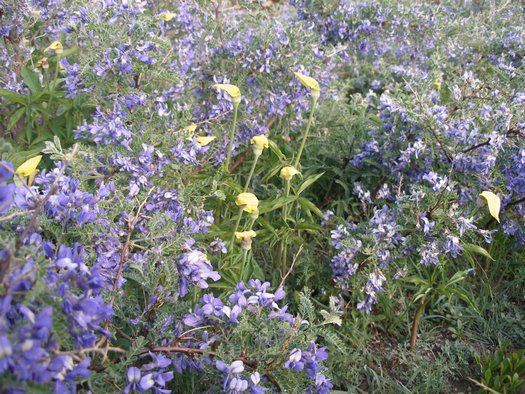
[308, 82]
[493, 202]
[29, 166]
[232, 90]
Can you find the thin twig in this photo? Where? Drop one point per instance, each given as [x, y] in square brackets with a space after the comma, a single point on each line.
[295, 256]
[125, 247]
[14, 215]
[492, 391]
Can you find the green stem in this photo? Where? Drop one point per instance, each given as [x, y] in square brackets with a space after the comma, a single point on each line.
[250, 175]
[57, 66]
[415, 324]
[232, 136]
[243, 264]
[284, 248]
[286, 194]
[306, 131]
[236, 226]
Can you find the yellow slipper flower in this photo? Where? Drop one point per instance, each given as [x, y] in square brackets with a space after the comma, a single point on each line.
[203, 140]
[248, 202]
[288, 172]
[493, 202]
[28, 166]
[309, 83]
[167, 16]
[259, 142]
[233, 91]
[55, 46]
[246, 238]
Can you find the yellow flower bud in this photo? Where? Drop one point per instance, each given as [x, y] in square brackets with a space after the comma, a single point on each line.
[167, 16]
[43, 63]
[248, 202]
[288, 172]
[55, 46]
[191, 128]
[259, 142]
[246, 238]
[233, 91]
[203, 141]
[309, 83]
[28, 166]
[244, 235]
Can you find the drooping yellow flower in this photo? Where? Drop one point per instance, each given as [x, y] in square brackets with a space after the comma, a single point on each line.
[246, 238]
[55, 46]
[248, 202]
[29, 166]
[309, 83]
[191, 128]
[244, 235]
[494, 203]
[167, 16]
[259, 142]
[233, 91]
[288, 172]
[43, 63]
[204, 140]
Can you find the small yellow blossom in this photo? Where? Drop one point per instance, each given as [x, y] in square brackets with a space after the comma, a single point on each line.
[233, 91]
[288, 172]
[167, 16]
[259, 142]
[248, 202]
[246, 238]
[55, 46]
[191, 128]
[493, 202]
[28, 166]
[309, 83]
[203, 140]
[43, 63]
[244, 235]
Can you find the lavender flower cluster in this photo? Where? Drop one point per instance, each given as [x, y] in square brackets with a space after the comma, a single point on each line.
[443, 135]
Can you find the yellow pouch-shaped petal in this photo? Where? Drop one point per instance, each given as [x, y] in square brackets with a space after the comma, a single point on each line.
[494, 203]
[308, 82]
[29, 166]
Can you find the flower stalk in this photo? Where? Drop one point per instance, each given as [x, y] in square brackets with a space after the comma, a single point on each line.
[232, 136]
[307, 130]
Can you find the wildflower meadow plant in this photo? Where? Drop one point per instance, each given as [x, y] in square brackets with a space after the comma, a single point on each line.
[258, 197]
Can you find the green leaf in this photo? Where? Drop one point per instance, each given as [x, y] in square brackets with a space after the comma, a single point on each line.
[308, 182]
[12, 96]
[30, 78]
[272, 171]
[264, 223]
[308, 226]
[477, 249]
[273, 204]
[15, 117]
[309, 206]
[457, 277]
[275, 149]
[464, 296]
[416, 280]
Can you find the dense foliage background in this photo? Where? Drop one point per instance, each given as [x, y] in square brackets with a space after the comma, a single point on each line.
[366, 240]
